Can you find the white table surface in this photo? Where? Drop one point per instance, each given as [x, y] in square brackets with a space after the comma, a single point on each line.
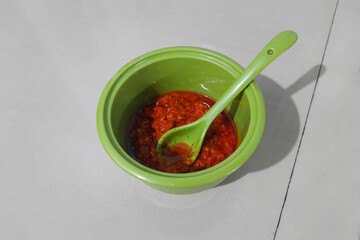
[56, 181]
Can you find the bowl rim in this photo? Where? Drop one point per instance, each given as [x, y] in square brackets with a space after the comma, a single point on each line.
[180, 180]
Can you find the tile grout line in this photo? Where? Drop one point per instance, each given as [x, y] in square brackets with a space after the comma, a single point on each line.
[306, 119]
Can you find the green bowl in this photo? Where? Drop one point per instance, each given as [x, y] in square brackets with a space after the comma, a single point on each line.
[170, 69]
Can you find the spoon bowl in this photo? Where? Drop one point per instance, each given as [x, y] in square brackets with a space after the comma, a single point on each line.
[189, 137]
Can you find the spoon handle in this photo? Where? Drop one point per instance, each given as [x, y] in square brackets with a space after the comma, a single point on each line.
[278, 45]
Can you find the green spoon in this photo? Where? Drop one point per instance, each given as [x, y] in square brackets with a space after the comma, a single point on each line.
[187, 139]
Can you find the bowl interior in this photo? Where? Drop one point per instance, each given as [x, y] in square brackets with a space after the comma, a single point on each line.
[180, 73]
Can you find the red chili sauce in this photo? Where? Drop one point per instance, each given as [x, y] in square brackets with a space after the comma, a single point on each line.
[174, 109]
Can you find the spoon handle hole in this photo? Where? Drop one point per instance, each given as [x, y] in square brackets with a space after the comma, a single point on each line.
[270, 52]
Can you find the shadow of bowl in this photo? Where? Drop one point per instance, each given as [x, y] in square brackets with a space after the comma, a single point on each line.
[282, 127]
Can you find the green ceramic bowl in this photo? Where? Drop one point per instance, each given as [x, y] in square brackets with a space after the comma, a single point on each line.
[170, 69]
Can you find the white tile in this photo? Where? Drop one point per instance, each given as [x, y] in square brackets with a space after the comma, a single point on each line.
[324, 195]
[56, 57]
